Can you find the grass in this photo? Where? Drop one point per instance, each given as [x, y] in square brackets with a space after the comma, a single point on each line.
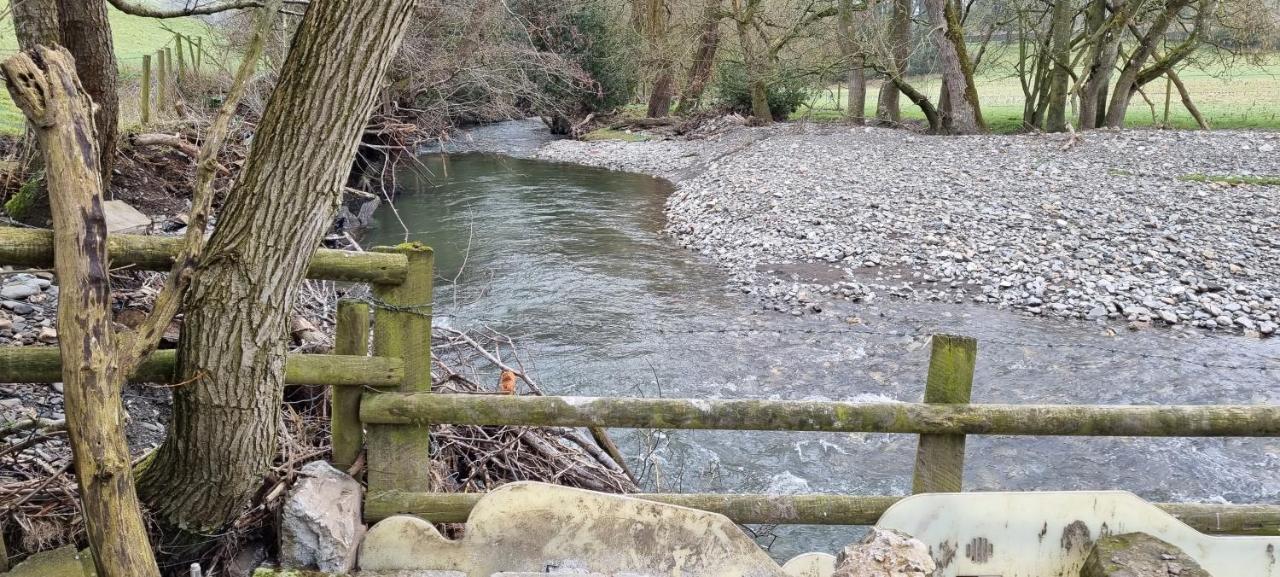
[613, 134]
[133, 37]
[1233, 179]
[1244, 97]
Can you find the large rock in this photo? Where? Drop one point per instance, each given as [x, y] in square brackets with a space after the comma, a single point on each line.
[64, 562]
[124, 219]
[320, 525]
[1138, 555]
[885, 553]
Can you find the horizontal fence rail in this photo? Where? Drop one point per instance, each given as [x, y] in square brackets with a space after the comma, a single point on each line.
[44, 365]
[829, 416]
[34, 248]
[813, 509]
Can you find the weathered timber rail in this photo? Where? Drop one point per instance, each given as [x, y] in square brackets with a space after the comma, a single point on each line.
[383, 404]
[828, 416]
[815, 509]
[34, 248]
[44, 365]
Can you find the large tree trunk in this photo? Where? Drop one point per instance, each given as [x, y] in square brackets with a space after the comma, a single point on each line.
[856, 59]
[1127, 84]
[1060, 28]
[703, 59]
[86, 32]
[660, 98]
[1104, 48]
[35, 22]
[887, 106]
[45, 87]
[222, 436]
[957, 72]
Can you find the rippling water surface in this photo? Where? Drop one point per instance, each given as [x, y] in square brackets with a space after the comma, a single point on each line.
[573, 263]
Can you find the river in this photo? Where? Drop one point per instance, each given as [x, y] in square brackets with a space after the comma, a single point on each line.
[572, 262]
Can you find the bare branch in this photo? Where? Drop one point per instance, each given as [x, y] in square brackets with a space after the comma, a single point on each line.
[196, 9]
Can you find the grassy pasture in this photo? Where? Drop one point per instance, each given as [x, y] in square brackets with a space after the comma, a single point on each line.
[1242, 97]
[133, 36]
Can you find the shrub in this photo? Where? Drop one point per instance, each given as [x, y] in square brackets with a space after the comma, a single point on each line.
[785, 92]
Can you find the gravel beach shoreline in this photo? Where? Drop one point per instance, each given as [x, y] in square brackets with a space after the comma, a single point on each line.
[1104, 227]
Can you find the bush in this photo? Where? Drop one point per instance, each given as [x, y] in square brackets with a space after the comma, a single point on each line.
[785, 92]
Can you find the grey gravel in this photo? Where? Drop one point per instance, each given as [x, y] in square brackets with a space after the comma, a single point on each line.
[1100, 228]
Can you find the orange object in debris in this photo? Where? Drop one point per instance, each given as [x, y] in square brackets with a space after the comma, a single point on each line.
[507, 385]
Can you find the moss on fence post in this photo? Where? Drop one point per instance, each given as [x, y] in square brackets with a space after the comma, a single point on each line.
[351, 337]
[940, 458]
[399, 456]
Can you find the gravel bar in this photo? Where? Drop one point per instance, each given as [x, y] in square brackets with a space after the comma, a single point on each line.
[1103, 226]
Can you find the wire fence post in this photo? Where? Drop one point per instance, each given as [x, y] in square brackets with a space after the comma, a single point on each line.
[940, 458]
[172, 85]
[146, 90]
[351, 337]
[162, 96]
[199, 52]
[398, 456]
[182, 62]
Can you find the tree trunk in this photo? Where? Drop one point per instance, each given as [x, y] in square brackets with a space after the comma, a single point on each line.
[703, 60]
[45, 87]
[887, 106]
[856, 59]
[660, 98]
[957, 73]
[86, 33]
[35, 23]
[222, 436]
[1127, 83]
[1060, 29]
[756, 82]
[857, 107]
[1186, 100]
[1101, 59]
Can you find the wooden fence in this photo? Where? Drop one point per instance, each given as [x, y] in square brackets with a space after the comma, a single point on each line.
[383, 404]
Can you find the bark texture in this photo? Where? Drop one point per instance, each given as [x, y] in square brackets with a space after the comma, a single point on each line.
[856, 59]
[86, 33]
[232, 353]
[1060, 27]
[964, 116]
[35, 23]
[703, 59]
[43, 84]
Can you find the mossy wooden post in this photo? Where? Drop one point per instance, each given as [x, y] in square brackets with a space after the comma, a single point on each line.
[198, 52]
[146, 90]
[172, 85]
[398, 456]
[351, 338]
[162, 77]
[940, 458]
[182, 61]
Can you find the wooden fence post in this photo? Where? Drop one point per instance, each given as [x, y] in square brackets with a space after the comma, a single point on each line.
[172, 85]
[182, 62]
[162, 79]
[398, 456]
[146, 89]
[940, 458]
[199, 52]
[351, 337]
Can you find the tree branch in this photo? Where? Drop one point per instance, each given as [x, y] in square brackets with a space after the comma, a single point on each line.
[139, 9]
[134, 350]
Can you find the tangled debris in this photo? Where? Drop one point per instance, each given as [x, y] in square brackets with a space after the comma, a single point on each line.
[39, 507]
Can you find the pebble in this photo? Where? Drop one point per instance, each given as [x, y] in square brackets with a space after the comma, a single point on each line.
[1011, 221]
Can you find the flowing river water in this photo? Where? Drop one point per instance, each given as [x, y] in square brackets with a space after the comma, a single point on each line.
[572, 262]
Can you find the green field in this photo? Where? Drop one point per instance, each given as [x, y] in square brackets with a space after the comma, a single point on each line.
[134, 37]
[1241, 97]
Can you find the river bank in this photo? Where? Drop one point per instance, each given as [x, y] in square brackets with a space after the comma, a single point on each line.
[1110, 226]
